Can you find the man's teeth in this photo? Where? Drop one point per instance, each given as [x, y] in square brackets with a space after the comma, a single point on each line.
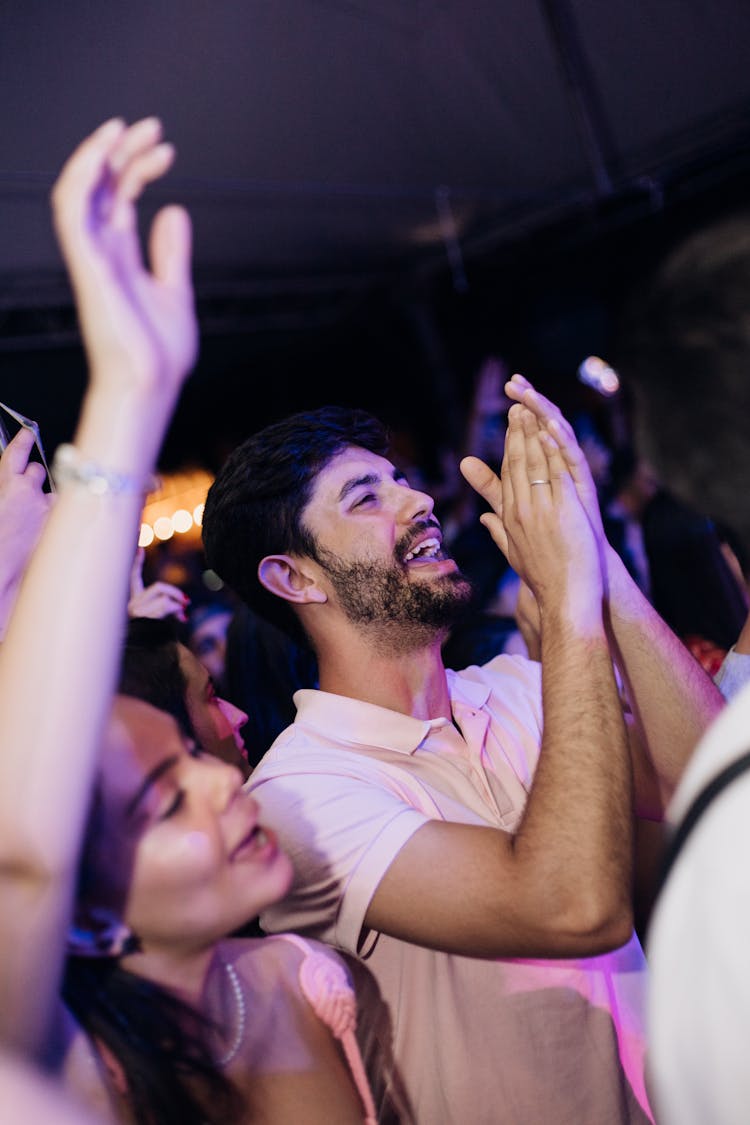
[427, 548]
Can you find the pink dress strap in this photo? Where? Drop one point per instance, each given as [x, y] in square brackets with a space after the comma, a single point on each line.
[327, 989]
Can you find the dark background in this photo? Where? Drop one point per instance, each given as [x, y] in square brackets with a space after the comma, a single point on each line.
[383, 193]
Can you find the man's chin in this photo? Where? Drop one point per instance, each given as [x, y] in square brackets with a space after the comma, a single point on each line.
[454, 578]
[452, 598]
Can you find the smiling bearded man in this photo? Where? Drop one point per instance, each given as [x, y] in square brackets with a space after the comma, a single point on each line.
[475, 853]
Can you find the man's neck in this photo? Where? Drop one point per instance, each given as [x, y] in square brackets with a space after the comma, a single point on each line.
[412, 683]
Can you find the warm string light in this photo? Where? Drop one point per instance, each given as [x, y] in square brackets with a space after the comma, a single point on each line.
[176, 508]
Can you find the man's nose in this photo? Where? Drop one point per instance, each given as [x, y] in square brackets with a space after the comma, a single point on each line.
[416, 505]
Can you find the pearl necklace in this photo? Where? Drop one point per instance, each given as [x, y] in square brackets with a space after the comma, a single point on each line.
[239, 997]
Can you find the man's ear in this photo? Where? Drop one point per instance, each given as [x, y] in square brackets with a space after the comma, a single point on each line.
[283, 576]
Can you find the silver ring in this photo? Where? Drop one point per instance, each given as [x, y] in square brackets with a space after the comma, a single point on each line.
[533, 482]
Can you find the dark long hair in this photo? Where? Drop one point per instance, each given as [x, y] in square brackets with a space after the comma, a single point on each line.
[150, 667]
[159, 1041]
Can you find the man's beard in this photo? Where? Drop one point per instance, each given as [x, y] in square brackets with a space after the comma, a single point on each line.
[377, 594]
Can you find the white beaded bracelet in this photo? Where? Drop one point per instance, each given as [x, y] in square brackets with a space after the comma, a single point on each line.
[67, 467]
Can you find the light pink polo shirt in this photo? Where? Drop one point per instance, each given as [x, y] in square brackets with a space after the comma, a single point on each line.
[522, 1042]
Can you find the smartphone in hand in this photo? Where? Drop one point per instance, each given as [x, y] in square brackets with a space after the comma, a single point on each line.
[10, 423]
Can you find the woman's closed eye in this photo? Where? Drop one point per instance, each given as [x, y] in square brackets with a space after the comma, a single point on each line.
[177, 799]
[174, 805]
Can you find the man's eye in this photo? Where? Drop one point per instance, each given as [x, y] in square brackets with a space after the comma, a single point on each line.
[365, 499]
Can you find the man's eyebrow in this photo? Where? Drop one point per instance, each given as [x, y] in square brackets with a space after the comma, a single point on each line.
[367, 479]
[357, 482]
[149, 780]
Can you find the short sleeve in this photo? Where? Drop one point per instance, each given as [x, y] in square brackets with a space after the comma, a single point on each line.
[342, 832]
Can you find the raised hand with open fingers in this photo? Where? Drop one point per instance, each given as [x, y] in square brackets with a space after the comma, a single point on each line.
[137, 320]
[538, 520]
[551, 420]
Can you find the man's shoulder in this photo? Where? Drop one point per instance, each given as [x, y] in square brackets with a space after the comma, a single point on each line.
[295, 754]
[505, 664]
[506, 672]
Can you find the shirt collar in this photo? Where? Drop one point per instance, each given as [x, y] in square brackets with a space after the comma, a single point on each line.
[366, 724]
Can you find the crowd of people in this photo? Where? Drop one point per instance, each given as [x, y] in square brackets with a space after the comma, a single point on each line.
[383, 834]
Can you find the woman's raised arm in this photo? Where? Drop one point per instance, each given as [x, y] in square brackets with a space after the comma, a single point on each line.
[59, 658]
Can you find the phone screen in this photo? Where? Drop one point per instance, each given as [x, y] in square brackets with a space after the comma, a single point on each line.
[10, 423]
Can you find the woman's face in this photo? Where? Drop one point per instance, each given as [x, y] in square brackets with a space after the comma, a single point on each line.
[217, 722]
[178, 848]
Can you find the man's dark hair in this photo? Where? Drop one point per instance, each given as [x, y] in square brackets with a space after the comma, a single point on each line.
[255, 505]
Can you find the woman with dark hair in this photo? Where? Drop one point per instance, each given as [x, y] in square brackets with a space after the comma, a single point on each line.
[158, 667]
[193, 1026]
[118, 830]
